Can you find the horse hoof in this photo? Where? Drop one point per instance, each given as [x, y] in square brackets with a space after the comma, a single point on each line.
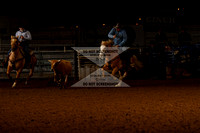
[119, 84]
[14, 85]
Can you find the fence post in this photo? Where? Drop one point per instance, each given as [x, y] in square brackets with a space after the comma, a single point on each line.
[64, 49]
[40, 63]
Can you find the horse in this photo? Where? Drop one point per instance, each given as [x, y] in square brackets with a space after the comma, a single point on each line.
[18, 62]
[116, 64]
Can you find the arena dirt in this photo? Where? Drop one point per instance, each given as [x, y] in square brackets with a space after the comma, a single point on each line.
[147, 106]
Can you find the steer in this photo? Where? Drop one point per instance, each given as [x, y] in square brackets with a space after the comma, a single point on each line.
[62, 69]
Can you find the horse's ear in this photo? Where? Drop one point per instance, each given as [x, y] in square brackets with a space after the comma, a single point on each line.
[110, 41]
[50, 61]
[13, 37]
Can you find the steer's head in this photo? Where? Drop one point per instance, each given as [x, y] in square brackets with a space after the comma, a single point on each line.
[54, 63]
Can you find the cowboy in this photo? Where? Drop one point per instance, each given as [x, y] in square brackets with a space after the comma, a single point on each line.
[23, 36]
[119, 36]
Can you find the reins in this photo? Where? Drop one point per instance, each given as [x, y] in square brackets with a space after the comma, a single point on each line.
[20, 50]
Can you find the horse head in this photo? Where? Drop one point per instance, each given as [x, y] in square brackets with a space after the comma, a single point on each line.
[107, 43]
[14, 43]
[104, 45]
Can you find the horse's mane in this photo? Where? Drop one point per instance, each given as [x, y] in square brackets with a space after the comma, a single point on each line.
[107, 42]
[13, 37]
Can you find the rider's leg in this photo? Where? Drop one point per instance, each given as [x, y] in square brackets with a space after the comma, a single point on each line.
[25, 47]
[26, 52]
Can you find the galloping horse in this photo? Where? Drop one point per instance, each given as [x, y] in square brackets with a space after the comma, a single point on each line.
[116, 64]
[17, 61]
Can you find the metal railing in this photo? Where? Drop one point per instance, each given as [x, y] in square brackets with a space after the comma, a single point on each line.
[43, 53]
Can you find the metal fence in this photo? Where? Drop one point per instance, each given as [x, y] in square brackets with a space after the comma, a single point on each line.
[43, 53]
[188, 58]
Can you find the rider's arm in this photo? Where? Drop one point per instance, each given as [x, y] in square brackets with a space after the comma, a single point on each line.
[28, 36]
[124, 38]
[111, 34]
[17, 34]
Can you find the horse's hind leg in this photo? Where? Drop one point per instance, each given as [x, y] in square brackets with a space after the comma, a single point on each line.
[34, 61]
[29, 76]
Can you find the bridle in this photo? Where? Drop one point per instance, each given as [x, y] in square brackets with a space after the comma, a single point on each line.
[14, 48]
[16, 44]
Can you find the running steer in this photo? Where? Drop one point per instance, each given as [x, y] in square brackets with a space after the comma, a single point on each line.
[62, 69]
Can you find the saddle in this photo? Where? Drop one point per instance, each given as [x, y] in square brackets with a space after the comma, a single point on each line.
[27, 56]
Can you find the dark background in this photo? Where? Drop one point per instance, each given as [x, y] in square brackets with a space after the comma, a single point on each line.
[87, 15]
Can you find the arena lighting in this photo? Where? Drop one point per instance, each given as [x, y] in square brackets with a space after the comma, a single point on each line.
[77, 26]
[103, 24]
[140, 19]
[180, 9]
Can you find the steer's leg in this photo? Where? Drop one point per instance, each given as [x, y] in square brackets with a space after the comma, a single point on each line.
[66, 79]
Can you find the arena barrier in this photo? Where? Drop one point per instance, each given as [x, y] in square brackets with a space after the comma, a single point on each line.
[43, 52]
[82, 67]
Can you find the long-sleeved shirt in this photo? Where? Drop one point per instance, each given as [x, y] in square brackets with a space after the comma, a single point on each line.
[26, 34]
[121, 36]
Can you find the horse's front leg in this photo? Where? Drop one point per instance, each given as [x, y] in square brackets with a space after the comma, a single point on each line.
[121, 78]
[17, 78]
[124, 75]
[9, 69]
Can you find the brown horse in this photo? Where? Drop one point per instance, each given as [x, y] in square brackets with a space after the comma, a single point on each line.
[17, 61]
[117, 65]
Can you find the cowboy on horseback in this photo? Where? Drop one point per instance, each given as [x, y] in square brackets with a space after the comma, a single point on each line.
[119, 36]
[23, 36]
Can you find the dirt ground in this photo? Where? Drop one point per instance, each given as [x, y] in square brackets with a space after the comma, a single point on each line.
[147, 106]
